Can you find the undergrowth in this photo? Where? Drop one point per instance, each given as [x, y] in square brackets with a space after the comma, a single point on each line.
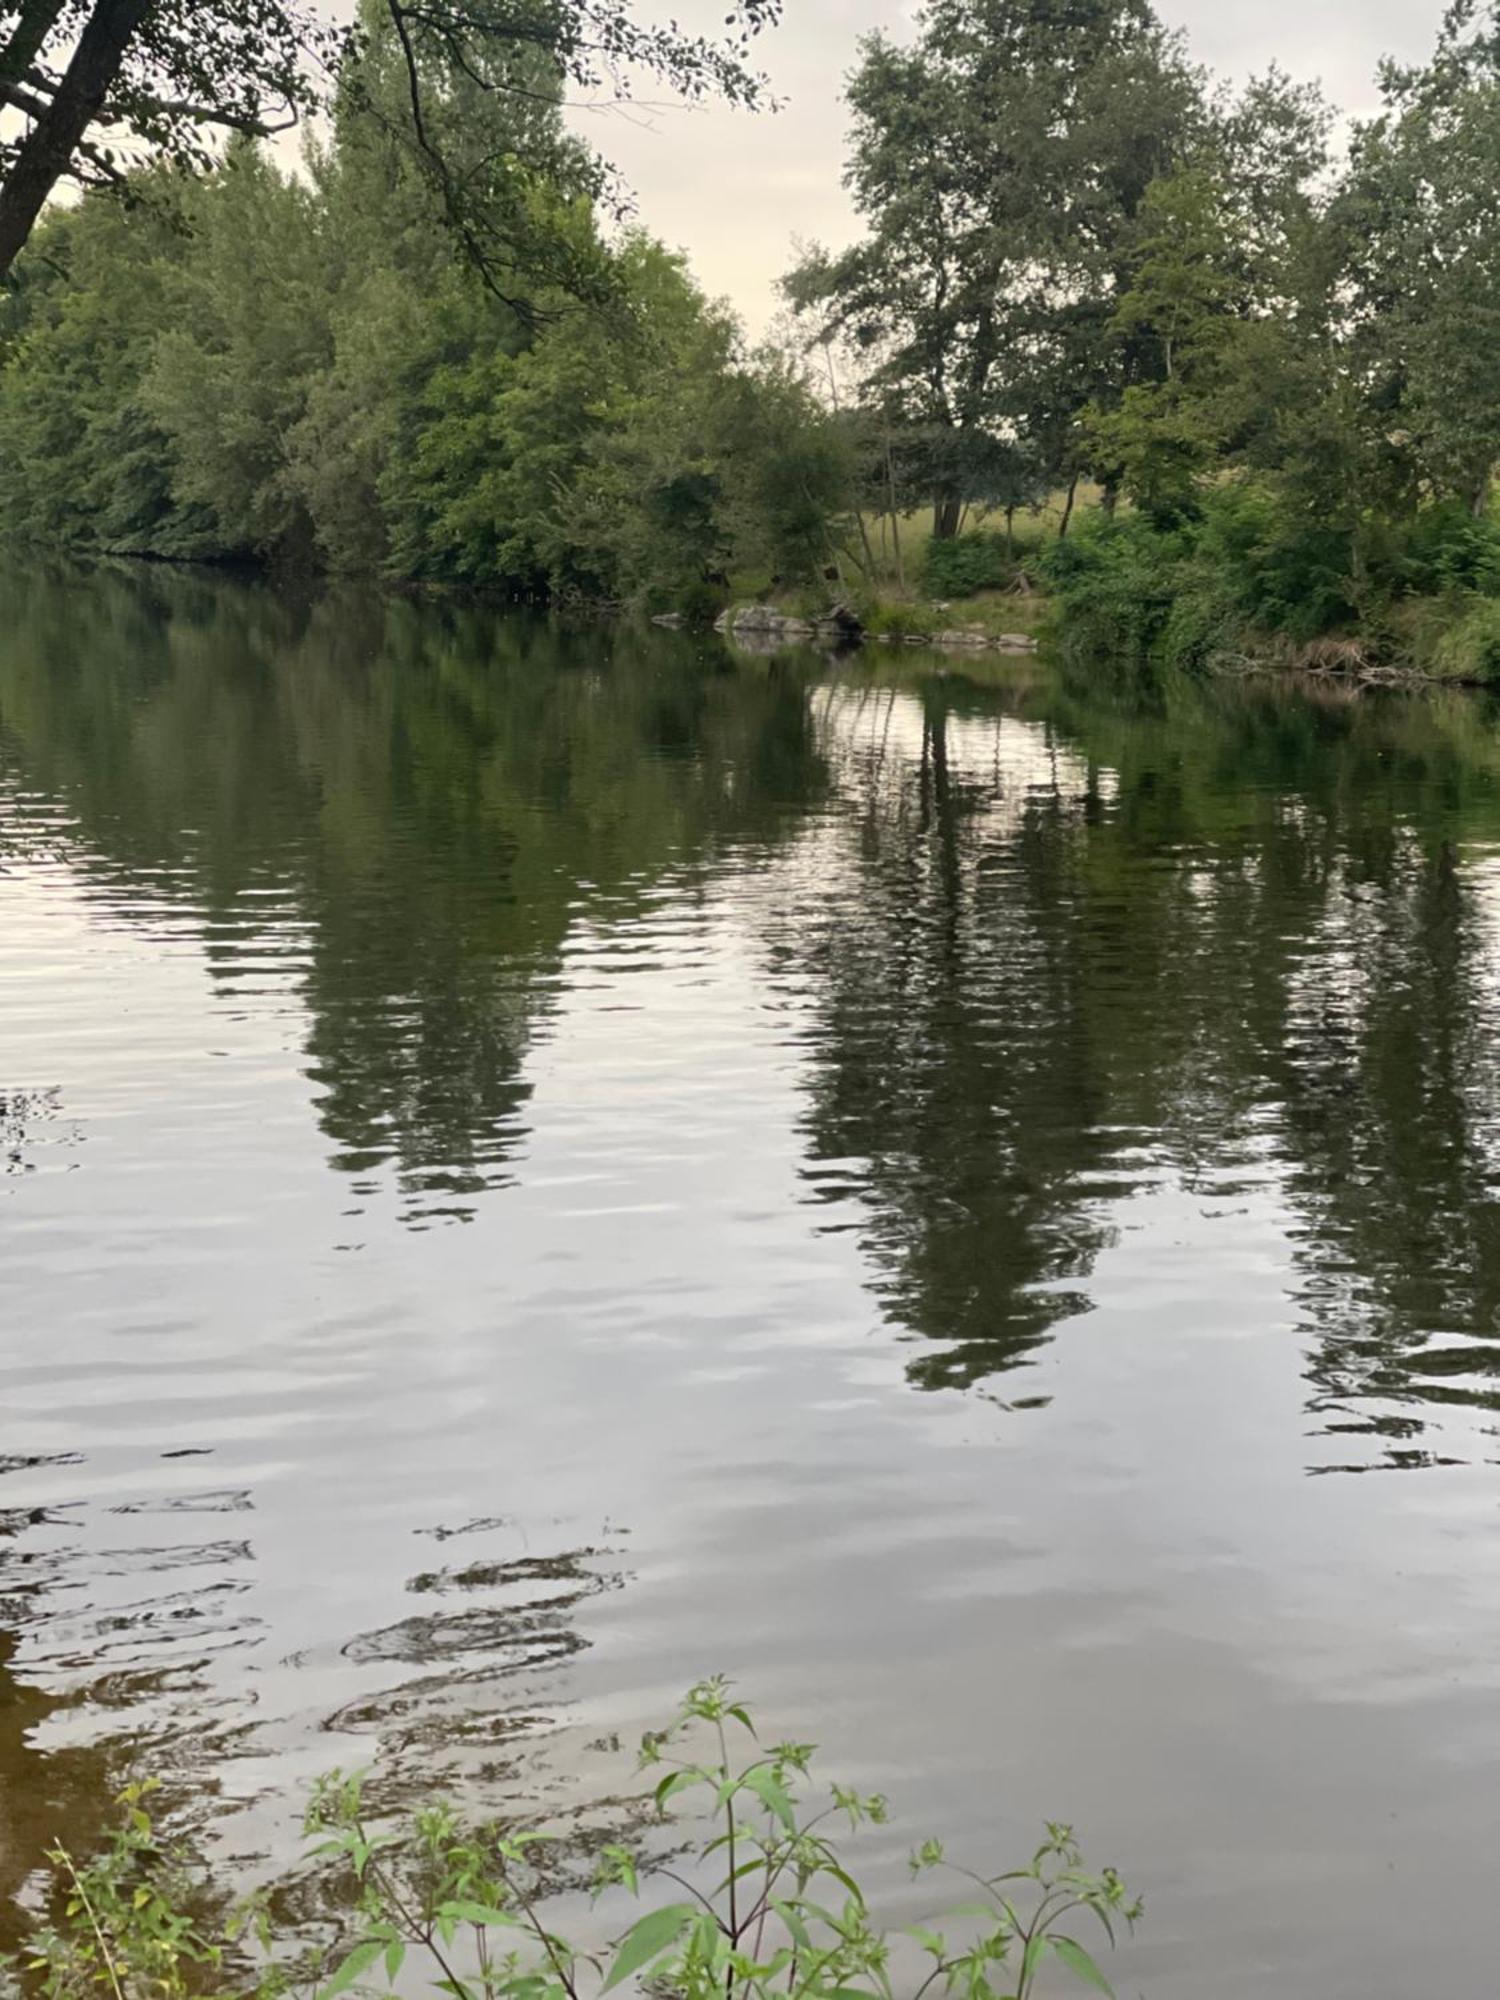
[763, 1906]
[1244, 576]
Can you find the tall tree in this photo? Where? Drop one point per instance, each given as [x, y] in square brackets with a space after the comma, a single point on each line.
[1422, 203]
[1000, 163]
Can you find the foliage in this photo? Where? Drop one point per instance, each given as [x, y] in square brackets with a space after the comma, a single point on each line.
[123, 1923]
[999, 163]
[92, 76]
[1421, 205]
[768, 1910]
[966, 564]
[1468, 649]
[248, 366]
[1247, 567]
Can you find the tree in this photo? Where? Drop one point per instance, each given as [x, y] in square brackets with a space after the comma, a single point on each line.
[1000, 163]
[257, 365]
[93, 77]
[1422, 204]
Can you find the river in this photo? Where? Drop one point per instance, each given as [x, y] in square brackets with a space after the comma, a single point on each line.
[540, 1162]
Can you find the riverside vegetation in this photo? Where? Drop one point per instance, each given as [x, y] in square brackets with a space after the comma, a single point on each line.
[769, 1910]
[1215, 388]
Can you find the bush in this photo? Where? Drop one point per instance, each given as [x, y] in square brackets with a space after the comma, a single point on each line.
[962, 565]
[1243, 568]
[1115, 581]
[772, 1911]
[893, 618]
[1445, 548]
[1469, 649]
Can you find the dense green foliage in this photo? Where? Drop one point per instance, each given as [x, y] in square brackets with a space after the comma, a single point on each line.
[773, 1914]
[86, 85]
[1081, 259]
[247, 365]
[1082, 262]
[999, 162]
[960, 565]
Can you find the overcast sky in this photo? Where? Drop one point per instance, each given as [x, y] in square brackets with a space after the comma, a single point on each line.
[735, 191]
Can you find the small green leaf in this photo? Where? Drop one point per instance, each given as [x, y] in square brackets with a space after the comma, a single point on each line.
[1078, 1961]
[655, 1933]
[1032, 1958]
[772, 1794]
[479, 1913]
[797, 1931]
[679, 1781]
[354, 1966]
[395, 1957]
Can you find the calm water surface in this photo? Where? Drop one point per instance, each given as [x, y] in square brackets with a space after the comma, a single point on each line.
[539, 1164]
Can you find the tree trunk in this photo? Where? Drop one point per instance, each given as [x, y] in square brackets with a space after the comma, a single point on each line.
[890, 490]
[1481, 501]
[46, 152]
[1010, 533]
[28, 37]
[947, 512]
[1109, 497]
[1067, 514]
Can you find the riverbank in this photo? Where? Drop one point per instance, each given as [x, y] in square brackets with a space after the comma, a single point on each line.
[996, 622]
[1243, 584]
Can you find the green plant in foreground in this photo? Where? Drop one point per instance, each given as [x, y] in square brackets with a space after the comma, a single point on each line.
[767, 1908]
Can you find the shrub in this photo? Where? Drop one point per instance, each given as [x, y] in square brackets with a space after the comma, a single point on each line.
[1182, 592]
[771, 1911]
[1115, 580]
[1469, 649]
[894, 619]
[964, 564]
[1444, 548]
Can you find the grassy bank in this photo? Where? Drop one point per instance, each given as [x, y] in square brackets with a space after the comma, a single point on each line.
[902, 583]
[1239, 581]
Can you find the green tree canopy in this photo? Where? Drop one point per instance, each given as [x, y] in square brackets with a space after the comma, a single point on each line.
[99, 83]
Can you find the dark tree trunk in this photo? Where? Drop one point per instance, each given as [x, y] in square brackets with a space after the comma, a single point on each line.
[1109, 495]
[1067, 513]
[947, 514]
[46, 152]
[1010, 533]
[890, 488]
[27, 38]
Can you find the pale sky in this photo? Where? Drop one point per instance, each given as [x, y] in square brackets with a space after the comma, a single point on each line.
[735, 191]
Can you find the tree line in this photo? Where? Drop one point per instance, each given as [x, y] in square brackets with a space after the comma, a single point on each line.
[1084, 266]
[436, 352]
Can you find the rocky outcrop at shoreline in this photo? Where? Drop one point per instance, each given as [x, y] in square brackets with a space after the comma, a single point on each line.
[762, 625]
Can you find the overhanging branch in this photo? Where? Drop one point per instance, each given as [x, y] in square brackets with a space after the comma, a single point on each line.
[122, 108]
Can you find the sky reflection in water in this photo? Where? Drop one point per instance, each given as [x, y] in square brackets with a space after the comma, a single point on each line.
[541, 1163]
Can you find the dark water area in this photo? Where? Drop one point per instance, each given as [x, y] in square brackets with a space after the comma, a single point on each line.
[537, 1163]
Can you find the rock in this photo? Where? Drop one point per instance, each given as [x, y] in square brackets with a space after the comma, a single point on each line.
[672, 619]
[840, 618]
[766, 618]
[1014, 642]
[961, 636]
